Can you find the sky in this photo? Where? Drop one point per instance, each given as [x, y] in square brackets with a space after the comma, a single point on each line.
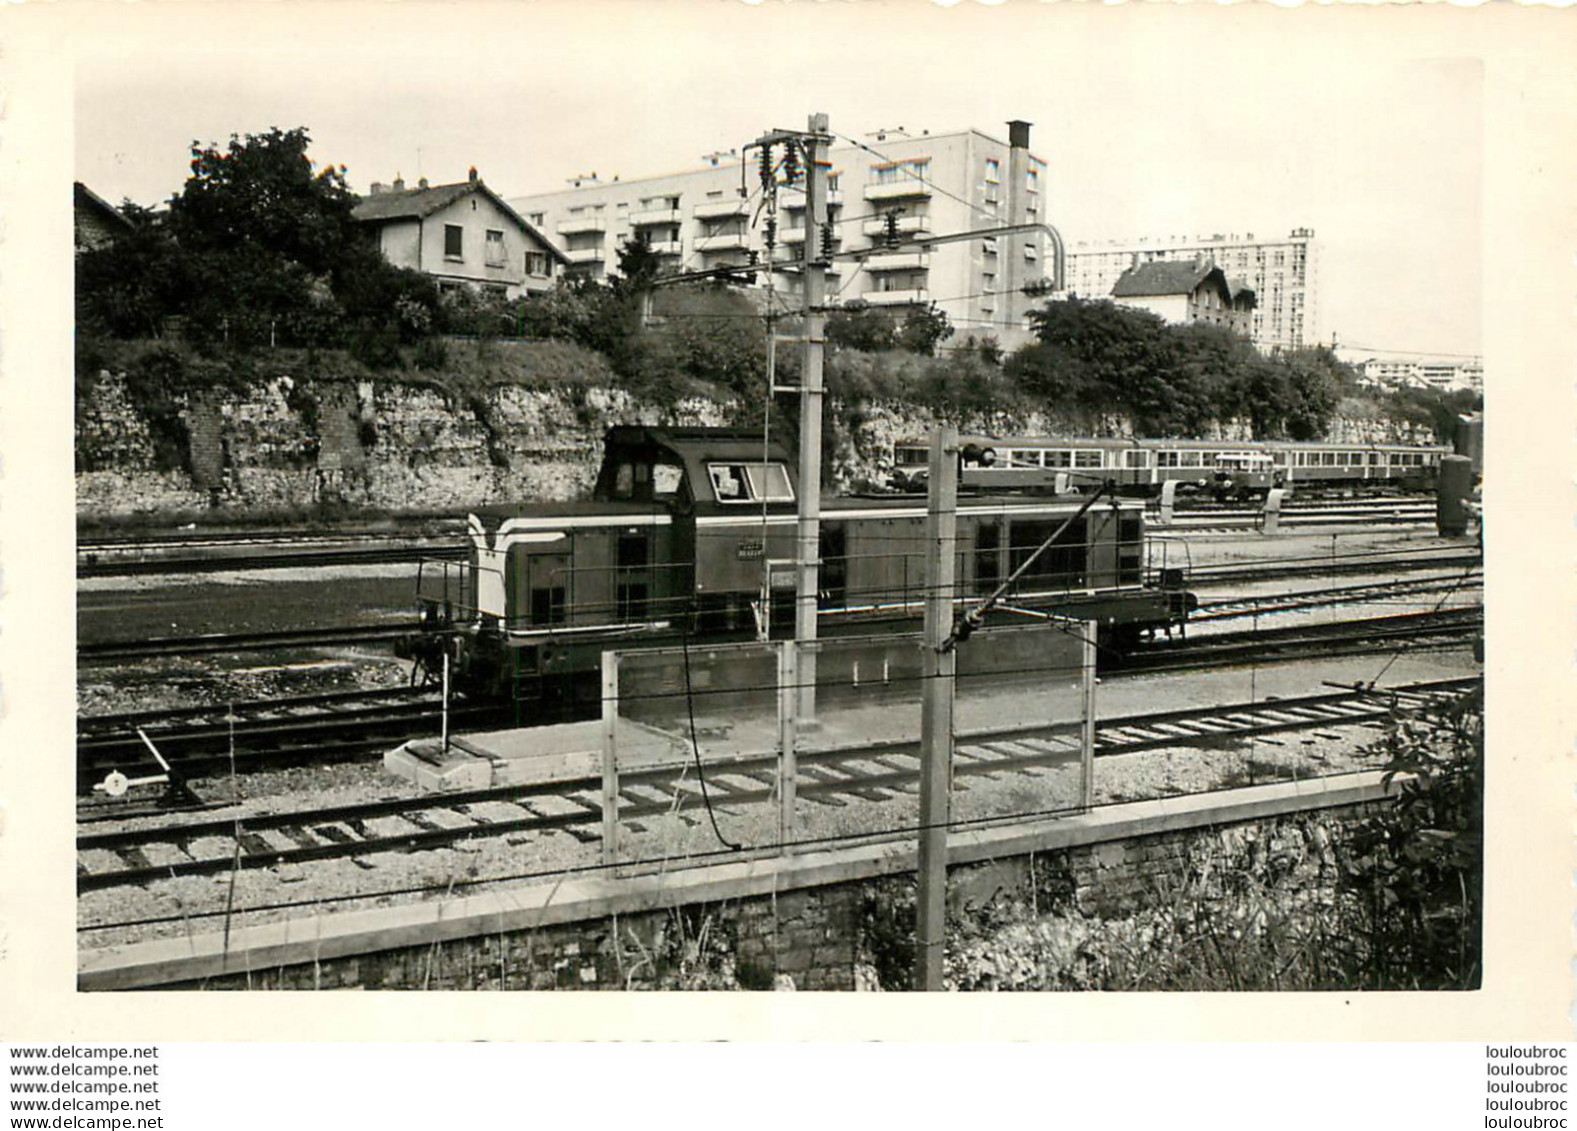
[1365, 125]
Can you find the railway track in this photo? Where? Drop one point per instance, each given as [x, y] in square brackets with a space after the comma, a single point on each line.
[1335, 565]
[201, 741]
[1442, 628]
[878, 771]
[1238, 607]
[121, 651]
[128, 564]
[1305, 518]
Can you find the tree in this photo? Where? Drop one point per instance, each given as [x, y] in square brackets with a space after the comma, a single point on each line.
[128, 287]
[860, 326]
[638, 265]
[923, 329]
[262, 194]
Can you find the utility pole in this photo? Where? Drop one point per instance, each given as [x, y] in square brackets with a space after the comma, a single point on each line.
[808, 580]
[939, 661]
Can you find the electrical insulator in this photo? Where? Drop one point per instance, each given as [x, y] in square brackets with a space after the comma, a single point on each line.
[771, 231]
[755, 257]
[826, 241]
[892, 227]
[790, 162]
[766, 164]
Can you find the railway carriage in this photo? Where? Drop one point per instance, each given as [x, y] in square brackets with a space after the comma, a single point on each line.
[690, 535]
[1224, 467]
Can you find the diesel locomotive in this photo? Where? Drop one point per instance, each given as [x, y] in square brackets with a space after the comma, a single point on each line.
[690, 536]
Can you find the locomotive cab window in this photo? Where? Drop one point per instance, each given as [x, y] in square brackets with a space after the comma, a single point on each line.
[667, 479]
[750, 482]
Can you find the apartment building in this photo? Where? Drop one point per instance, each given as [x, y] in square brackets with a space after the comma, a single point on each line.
[1283, 274]
[1422, 373]
[926, 184]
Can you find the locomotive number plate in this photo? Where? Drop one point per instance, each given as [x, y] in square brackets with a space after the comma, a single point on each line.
[750, 549]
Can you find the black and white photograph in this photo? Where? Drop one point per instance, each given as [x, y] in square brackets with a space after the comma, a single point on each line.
[866, 498]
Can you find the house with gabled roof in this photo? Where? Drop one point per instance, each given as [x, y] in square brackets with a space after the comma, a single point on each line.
[461, 234]
[1184, 291]
[95, 221]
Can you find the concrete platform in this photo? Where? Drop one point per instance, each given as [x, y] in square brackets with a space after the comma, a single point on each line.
[530, 754]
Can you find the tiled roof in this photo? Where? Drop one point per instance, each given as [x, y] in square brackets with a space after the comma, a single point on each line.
[409, 204]
[1163, 277]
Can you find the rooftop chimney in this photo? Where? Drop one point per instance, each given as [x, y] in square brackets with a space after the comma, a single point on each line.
[1018, 134]
[473, 176]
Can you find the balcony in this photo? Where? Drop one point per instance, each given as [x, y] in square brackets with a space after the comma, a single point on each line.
[897, 298]
[578, 224]
[586, 255]
[907, 226]
[736, 242]
[665, 247]
[901, 189]
[717, 208]
[901, 261]
[794, 199]
[651, 216]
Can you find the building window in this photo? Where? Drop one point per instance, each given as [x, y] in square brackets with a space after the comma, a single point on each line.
[536, 219]
[1032, 180]
[496, 255]
[537, 264]
[454, 241]
[993, 171]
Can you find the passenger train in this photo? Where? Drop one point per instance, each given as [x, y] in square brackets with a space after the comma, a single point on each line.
[1223, 467]
[690, 535]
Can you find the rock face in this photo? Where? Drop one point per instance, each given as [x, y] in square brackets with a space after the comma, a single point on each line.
[283, 446]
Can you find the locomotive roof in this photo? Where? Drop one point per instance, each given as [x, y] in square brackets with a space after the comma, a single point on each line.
[693, 449]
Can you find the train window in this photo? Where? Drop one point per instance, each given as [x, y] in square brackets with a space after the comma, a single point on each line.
[624, 481]
[1193, 459]
[904, 456]
[770, 481]
[1087, 459]
[1023, 457]
[666, 478]
[1136, 458]
[1168, 459]
[1058, 459]
[746, 482]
